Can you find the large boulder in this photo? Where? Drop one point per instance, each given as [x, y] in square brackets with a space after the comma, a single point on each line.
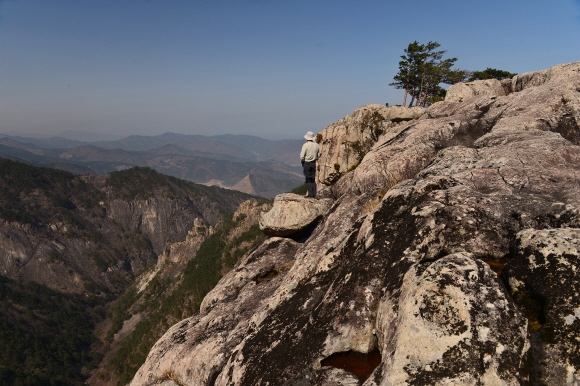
[463, 91]
[544, 280]
[438, 330]
[292, 213]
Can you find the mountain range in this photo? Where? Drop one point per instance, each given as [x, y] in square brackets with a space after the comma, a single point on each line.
[70, 245]
[245, 163]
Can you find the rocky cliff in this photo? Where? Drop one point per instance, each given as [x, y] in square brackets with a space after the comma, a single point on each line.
[345, 143]
[90, 234]
[185, 272]
[449, 256]
[71, 245]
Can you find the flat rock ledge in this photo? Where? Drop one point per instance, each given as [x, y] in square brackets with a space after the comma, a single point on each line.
[292, 213]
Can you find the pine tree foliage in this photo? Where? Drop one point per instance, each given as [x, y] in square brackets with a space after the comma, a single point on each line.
[422, 70]
[490, 73]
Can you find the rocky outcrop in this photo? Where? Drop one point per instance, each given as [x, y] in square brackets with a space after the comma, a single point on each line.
[463, 91]
[411, 260]
[175, 256]
[171, 262]
[292, 213]
[164, 282]
[441, 321]
[344, 143]
[224, 320]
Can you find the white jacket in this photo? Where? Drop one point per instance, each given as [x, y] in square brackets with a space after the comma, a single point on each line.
[310, 152]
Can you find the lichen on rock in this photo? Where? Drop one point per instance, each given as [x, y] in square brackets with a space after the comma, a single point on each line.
[543, 278]
[452, 324]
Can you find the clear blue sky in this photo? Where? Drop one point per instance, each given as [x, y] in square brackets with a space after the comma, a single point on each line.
[270, 68]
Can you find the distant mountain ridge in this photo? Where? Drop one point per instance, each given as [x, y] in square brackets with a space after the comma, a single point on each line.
[250, 164]
[245, 146]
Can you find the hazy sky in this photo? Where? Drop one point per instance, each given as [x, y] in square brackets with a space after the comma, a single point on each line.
[269, 68]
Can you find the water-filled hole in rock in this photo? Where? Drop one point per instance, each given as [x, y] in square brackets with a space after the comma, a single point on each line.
[266, 276]
[360, 364]
[497, 266]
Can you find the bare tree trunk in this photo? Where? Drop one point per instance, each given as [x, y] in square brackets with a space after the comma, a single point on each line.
[420, 90]
[407, 86]
[424, 101]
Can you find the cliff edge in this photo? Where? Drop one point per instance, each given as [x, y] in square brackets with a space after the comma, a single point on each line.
[448, 256]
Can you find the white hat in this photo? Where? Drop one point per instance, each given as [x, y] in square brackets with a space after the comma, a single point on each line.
[309, 136]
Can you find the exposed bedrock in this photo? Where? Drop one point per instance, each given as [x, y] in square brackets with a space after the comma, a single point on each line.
[543, 278]
[344, 143]
[492, 87]
[157, 218]
[196, 349]
[454, 324]
[410, 260]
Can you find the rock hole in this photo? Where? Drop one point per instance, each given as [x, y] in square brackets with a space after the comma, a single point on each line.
[266, 276]
[360, 364]
[497, 266]
[302, 236]
[213, 378]
[534, 307]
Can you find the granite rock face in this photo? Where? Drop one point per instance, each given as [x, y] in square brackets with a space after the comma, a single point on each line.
[543, 277]
[410, 260]
[29, 256]
[452, 314]
[292, 213]
[344, 143]
[55, 256]
[168, 276]
[157, 218]
[199, 347]
[462, 91]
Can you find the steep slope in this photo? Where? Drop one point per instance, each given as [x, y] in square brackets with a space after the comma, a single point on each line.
[185, 272]
[71, 233]
[69, 245]
[432, 259]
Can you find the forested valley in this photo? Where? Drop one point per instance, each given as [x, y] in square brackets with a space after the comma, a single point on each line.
[72, 250]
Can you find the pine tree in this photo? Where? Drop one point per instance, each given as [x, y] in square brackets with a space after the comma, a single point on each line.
[421, 72]
[490, 73]
[407, 77]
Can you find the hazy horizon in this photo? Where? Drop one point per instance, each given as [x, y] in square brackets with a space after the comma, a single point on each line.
[269, 69]
[98, 137]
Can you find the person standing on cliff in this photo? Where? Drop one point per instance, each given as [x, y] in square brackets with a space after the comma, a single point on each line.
[308, 157]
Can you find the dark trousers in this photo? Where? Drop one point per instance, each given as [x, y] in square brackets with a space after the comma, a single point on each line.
[310, 174]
